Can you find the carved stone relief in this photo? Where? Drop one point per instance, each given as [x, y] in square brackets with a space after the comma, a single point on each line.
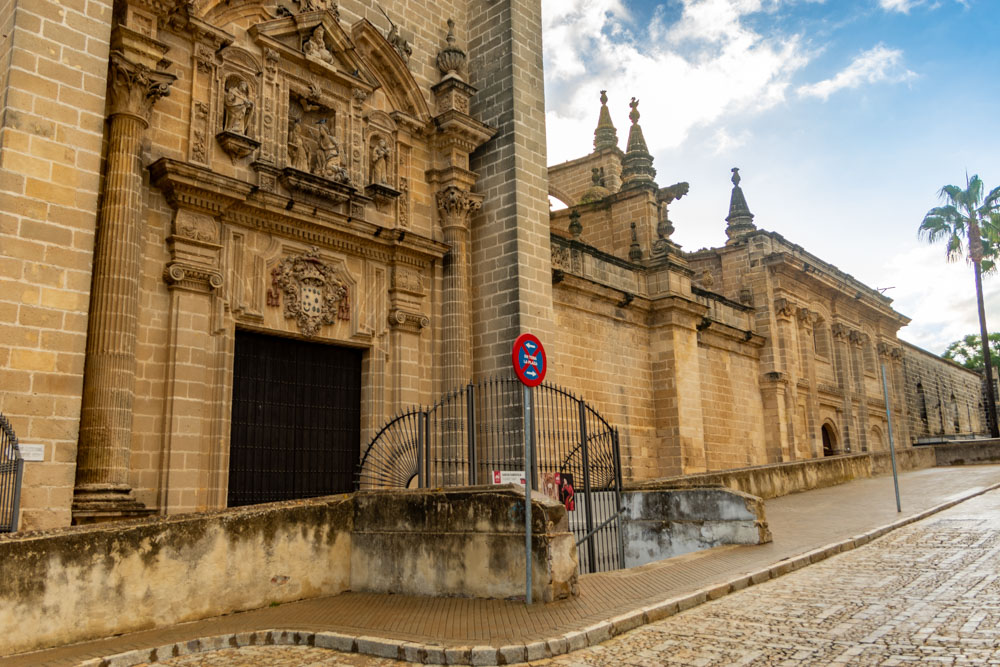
[313, 294]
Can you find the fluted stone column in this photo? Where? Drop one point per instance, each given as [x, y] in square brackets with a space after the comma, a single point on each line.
[456, 206]
[102, 485]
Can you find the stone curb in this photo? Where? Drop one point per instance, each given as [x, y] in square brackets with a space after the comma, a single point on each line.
[514, 653]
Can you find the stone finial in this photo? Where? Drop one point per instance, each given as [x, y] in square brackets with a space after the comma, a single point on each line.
[605, 136]
[740, 219]
[451, 59]
[637, 167]
[634, 251]
[597, 191]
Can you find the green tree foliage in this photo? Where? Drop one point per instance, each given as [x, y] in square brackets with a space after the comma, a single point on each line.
[969, 351]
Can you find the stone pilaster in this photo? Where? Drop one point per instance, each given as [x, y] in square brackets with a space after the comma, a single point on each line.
[845, 381]
[102, 485]
[807, 323]
[678, 415]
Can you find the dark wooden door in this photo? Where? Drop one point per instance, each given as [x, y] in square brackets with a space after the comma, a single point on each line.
[296, 426]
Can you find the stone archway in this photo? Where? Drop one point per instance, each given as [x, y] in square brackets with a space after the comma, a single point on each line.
[830, 440]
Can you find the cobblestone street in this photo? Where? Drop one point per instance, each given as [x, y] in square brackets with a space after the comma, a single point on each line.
[926, 593]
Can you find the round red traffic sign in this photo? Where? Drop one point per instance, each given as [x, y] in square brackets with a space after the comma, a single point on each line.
[528, 357]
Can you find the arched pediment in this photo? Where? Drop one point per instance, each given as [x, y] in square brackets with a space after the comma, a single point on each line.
[392, 73]
[226, 12]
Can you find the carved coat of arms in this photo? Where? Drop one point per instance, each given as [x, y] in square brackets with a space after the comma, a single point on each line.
[313, 294]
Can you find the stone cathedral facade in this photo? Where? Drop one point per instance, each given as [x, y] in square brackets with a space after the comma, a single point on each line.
[219, 217]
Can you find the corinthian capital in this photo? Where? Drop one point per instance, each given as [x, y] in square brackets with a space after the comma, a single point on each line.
[456, 205]
[134, 88]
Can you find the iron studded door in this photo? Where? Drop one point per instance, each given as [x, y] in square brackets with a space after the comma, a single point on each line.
[296, 425]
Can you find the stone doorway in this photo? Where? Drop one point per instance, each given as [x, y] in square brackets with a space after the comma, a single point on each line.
[829, 441]
[296, 420]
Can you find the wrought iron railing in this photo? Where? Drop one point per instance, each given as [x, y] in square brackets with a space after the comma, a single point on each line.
[477, 431]
[11, 471]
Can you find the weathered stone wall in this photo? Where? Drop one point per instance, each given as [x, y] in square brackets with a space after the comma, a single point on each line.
[942, 397]
[967, 452]
[85, 582]
[467, 542]
[54, 68]
[74, 583]
[772, 481]
[660, 524]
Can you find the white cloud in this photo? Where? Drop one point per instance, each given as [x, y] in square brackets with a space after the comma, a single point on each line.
[902, 6]
[939, 296]
[694, 72]
[876, 65]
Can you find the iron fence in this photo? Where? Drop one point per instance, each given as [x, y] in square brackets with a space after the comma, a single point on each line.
[11, 470]
[477, 431]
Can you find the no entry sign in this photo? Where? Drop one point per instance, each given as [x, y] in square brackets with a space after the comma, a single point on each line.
[528, 357]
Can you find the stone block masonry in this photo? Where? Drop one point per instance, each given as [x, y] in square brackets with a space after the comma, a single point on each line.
[512, 284]
[54, 66]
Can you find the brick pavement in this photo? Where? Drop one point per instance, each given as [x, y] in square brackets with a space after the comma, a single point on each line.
[802, 524]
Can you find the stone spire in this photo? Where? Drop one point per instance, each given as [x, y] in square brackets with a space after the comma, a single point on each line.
[605, 136]
[637, 167]
[740, 219]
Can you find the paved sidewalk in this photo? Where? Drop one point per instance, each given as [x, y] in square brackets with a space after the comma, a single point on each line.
[807, 527]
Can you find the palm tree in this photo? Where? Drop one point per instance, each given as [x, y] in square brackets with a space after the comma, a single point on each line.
[967, 219]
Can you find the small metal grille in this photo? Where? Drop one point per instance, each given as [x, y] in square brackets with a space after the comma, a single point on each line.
[11, 470]
[296, 422]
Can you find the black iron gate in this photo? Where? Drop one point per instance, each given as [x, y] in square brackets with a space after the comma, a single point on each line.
[478, 430]
[296, 419]
[11, 470]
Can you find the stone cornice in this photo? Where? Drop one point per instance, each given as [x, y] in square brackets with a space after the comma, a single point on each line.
[238, 203]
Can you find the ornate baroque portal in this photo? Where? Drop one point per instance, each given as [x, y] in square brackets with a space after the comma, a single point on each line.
[292, 209]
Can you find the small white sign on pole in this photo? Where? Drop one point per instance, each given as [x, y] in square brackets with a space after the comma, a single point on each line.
[508, 477]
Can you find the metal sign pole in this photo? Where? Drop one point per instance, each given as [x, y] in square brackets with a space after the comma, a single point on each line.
[527, 494]
[892, 446]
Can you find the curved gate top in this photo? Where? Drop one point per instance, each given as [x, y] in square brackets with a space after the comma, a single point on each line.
[477, 431]
[11, 470]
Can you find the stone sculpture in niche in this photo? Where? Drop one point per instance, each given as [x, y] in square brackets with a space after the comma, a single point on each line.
[237, 113]
[238, 108]
[298, 152]
[313, 294]
[329, 164]
[315, 46]
[380, 163]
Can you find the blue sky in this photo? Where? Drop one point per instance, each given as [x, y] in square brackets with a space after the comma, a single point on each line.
[845, 117]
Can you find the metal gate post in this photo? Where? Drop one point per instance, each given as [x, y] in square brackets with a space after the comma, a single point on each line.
[618, 498]
[427, 448]
[420, 450]
[17, 492]
[587, 504]
[470, 421]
